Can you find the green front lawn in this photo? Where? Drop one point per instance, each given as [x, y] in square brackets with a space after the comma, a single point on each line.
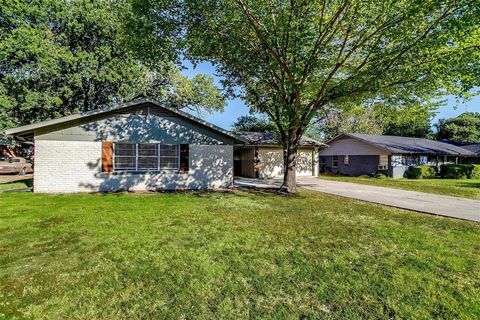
[232, 256]
[449, 187]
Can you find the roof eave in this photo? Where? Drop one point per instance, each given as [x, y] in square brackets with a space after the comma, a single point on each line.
[28, 129]
[280, 145]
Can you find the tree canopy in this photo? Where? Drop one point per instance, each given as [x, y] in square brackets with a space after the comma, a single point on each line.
[464, 128]
[59, 57]
[379, 118]
[253, 123]
[295, 59]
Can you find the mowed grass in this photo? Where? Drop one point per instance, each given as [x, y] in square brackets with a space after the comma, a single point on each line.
[468, 188]
[232, 256]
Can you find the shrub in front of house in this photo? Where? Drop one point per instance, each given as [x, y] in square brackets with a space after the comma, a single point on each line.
[421, 172]
[475, 171]
[380, 175]
[457, 171]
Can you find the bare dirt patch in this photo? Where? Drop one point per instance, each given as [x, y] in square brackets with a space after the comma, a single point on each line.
[4, 178]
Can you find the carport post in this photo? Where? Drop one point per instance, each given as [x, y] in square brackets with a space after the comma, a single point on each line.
[316, 164]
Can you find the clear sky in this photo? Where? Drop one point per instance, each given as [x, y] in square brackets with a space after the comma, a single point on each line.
[236, 107]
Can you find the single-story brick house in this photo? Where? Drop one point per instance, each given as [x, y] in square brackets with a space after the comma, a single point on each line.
[262, 157]
[141, 145]
[356, 154]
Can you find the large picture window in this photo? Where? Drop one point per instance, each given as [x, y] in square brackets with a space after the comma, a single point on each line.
[146, 157]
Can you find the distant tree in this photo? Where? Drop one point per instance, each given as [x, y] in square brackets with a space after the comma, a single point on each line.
[59, 57]
[409, 119]
[354, 120]
[255, 123]
[464, 128]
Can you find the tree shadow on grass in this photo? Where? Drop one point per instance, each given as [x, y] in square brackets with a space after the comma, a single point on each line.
[13, 185]
[264, 191]
[193, 192]
[468, 184]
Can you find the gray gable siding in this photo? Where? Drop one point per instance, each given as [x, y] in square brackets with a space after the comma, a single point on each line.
[350, 146]
[142, 124]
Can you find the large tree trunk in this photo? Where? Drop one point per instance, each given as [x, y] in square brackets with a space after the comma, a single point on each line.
[290, 163]
[289, 176]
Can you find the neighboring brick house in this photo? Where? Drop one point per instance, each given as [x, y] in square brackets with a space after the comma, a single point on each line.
[355, 154]
[140, 145]
[473, 147]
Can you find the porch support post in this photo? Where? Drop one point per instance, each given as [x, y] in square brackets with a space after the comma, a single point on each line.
[316, 164]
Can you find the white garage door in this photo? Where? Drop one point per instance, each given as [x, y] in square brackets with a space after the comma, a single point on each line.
[271, 163]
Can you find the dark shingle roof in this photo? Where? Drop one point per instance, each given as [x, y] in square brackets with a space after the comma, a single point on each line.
[271, 139]
[474, 147]
[136, 102]
[471, 146]
[407, 145]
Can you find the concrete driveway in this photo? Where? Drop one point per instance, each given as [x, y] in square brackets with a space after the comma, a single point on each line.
[453, 207]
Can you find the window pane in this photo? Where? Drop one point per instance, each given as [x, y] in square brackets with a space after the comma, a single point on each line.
[169, 150]
[169, 163]
[169, 156]
[147, 149]
[147, 163]
[383, 160]
[124, 163]
[125, 149]
[335, 161]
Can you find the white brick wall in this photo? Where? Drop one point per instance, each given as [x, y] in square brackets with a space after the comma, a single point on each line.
[66, 166]
[75, 166]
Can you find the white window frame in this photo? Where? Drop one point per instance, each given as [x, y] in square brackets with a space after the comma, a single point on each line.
[333, 161]
[346, 160]
[159, 155]
[382, 165]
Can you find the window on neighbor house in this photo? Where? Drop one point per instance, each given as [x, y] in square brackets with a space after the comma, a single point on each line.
[382, 162]
[346, 160]
[335, 161]
[146, 157]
